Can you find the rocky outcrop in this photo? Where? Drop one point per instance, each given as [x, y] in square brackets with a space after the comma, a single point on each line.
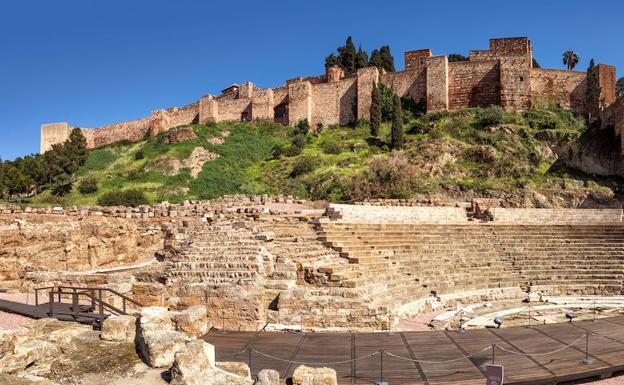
[268, 377]
[119, 328]
[192, 321]
[195, 162]
[305, 375]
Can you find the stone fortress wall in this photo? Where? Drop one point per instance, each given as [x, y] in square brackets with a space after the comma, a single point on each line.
[503, 75]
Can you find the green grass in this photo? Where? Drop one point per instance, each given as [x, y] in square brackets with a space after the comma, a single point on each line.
[473, 149]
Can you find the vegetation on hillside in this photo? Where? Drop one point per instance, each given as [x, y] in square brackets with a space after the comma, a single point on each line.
[351, 60]
[473, 151]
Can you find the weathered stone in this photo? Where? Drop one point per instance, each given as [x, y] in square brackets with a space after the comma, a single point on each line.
[155, 318]
[192, 321]
[119, 328]
[305, 375]
[160, 346]
[235, 367]
[268, 377]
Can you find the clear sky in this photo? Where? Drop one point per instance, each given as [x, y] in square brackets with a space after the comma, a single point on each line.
[92, 63]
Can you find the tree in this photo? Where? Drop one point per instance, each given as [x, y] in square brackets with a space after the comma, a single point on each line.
[571, 59]
[456, 57]
[396, 135]
[619, 86]
[17, 183]
[535, 64]
[375, 111]
[592, 97]
[361, 59]
[375, 59]
[331, 61]
[346, 56]
[387, 61]
[76, 147]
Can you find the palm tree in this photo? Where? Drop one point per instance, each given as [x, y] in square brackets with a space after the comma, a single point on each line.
[571, 59]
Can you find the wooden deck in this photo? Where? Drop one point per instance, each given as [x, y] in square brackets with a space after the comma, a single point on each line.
[606, 349]
[62, 311]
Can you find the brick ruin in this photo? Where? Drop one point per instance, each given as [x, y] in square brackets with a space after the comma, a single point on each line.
[502, 76]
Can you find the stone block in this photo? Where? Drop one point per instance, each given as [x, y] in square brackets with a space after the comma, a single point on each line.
[119, 328]
[268, 377]
[159, 347]
[192, 321]
[305, 375]
[155, 318]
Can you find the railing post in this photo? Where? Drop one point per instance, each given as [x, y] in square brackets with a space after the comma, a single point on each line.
[59, 294]
[101, 305]
[381, 366]
[123, 301]
[51, 304]
[92, 299]
[249, 350]
[36, 297]
[75, 305]
[493, 353]
[587, 360]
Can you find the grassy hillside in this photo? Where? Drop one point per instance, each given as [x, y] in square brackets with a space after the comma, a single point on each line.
[471, 152]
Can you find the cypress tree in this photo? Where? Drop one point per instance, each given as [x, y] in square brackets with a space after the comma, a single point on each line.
[331, 61]
[361, 59]
[592, 97]
[375, 59]
[375, 111]
[346, 57]
[387, 61]
[396, 135]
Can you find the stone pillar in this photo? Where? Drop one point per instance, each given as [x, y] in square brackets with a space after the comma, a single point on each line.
[515, 82]
[606, 79]
[53, 133]
[299, 102]
[367, 78]
[437, 84]
[262, 105]
[208, 110]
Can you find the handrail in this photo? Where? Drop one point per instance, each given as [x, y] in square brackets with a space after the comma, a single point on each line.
[115, 292]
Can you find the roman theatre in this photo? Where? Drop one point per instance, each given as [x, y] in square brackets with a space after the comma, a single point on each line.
[432, 294]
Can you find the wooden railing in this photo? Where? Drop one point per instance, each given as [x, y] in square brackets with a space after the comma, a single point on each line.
[92, 294]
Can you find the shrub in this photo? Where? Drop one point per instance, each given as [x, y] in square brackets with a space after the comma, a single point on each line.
[541, 119]
[302, 166]
[490, 116]
[331, 148]
[292, 150]
[302, 127]
[299, 141]
[393, 177]
[88, 186]
[132, 198]
[139, 155]
[277, 151]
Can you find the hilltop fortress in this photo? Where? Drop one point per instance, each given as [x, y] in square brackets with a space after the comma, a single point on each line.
[502, 76]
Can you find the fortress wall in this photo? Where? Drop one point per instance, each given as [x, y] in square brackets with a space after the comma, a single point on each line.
[367, 78]
[233, 110]
[299, 102]
[412, 83]
[607, 79]
[566, 88]
[280, 95]
[134, 131]
[326, 104]
[556, 216]
[186, 115]
[473, 84]
[262, 105]
[53, 133]
[437, 83]
[347, 99]
[613, 116]
[515, 82]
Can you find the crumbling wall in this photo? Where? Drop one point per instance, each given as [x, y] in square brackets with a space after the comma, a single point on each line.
[412, 83]
[515, 81]
[473, 84]
[299, 102]
[413, 59]
[134, 131]
[437, 84]
[566, 88]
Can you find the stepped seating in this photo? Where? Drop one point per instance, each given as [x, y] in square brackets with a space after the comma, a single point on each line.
[413, 261]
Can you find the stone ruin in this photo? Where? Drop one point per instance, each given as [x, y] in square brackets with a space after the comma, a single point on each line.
[502, 76]
[283, 264]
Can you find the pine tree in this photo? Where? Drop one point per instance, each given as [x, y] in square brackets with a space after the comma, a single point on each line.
[346, 57]
[396, 135]
[387, 61]
[76, 147]
[331, 61]
[361, 59]
[592, 97]
[375, 111]
[375, 59]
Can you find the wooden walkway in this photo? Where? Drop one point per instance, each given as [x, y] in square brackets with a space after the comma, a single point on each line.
[606, 347]
[62, 311]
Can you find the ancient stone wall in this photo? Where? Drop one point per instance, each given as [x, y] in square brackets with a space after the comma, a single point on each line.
[515, 80]
[566, 88]
[613, 118]
[133, 131]
[367, 78]
[412, 83]
[299, 102]
[437, 84]
[413, 59]
[415, 215]
[555, 216]
[473, 84]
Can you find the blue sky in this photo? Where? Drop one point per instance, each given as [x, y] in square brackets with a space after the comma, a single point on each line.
[98, 62]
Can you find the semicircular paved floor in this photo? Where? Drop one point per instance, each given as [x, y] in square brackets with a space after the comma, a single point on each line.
[358, 360]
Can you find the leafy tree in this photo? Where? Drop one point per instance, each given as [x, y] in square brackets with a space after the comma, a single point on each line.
[375, 59]
[17, 183]
[361, 59]
[331, 61]
[387, 61]
[536, 64]
[346, 56]
[571, 59]
[396, 135]
[375, 111]
[619, 86]
[454, 57]
[592, 97]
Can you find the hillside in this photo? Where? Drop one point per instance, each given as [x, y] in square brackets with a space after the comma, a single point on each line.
[447, 156]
